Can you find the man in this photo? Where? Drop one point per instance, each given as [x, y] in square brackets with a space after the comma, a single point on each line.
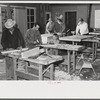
[11, 36]
[33, 37]
[50, 27]
[82, 27]
[59, 25]
[11, 39]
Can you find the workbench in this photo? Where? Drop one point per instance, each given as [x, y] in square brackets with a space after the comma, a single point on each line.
[86, 38]
[42, 64]
[69, 48]
[75, 38]
[94, 33]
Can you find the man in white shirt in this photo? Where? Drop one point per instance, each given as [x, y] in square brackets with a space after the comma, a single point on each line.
[82, 27]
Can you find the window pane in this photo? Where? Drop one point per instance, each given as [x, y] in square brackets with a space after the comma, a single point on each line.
[32, 11]
[28, 25]
[32, 25]
[27, 11]
[48, 16]
[32, 18]
[27, 18]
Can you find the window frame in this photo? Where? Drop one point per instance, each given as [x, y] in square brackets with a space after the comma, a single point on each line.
[49, 13]
[31, 8]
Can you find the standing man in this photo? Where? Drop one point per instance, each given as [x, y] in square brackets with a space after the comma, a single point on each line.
[11, 39]
[50, 27]
[59, 25]
[33, 37]
[82, 27]
[11, 36]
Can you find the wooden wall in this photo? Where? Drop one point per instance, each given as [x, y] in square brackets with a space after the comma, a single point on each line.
[81, 9]
[40, 12]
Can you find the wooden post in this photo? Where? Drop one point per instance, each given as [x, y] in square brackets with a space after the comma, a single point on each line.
[40, 72]
[9, 15]
[14, 68]
[9, 68]
[74, 61]
[52, 72]
[93, 50]
[69, 61]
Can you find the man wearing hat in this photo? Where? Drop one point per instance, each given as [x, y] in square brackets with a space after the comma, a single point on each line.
[11, 39]
[59, 25]
[11, 36]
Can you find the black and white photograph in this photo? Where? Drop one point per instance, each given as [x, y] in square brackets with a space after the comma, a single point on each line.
[43, 41]
[50, 43]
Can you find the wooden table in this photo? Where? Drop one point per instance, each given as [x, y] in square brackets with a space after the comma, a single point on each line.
[79, 38]
[49, 63]
[75, 38]
[69, 48]
[94, 33]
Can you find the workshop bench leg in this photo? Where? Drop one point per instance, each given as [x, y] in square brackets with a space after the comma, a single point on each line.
[40, 72]
[52, 72]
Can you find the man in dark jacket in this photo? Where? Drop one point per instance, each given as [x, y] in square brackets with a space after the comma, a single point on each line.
[11, 39]
[11, 36]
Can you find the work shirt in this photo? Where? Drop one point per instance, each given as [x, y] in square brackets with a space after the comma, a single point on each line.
[12, 40]
[32, 38]
[82, 28]
[59, 28]
[50, 27]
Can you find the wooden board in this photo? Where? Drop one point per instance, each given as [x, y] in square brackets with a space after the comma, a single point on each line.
[46, 38]
[94, 33]
[76, 38]
[92, 40]
[27, 76]
[31, 52]
[64, 47]
[49, 60]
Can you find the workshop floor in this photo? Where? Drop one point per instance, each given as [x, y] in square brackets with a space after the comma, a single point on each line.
[61, 72]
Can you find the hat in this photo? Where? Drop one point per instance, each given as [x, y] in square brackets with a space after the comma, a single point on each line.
[60, 17]
[10, 23]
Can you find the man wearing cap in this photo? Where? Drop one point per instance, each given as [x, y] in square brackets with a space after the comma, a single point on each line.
[11, 36]
[11, 39]
[82, 27]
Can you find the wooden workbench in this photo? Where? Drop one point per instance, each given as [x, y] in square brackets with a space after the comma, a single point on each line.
[69, 48]
[86, 38]
[75, 38]
[94, 33]
[12, 66]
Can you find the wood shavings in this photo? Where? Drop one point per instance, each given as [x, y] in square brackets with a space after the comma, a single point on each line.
[61, 75]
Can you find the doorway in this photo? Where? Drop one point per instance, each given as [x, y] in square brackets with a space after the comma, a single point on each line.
[70, 20]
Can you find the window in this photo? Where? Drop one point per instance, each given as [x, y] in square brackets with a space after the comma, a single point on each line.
[31, 17]
[47, 15]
